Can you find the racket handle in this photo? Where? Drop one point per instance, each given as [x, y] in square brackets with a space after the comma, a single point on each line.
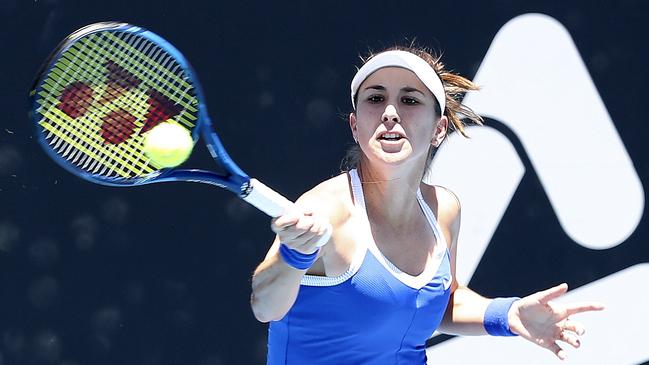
[274, 204]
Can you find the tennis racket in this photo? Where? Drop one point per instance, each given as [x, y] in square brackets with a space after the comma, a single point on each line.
[109, 83]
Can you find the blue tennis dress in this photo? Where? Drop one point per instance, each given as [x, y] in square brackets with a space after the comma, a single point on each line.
[372, 314]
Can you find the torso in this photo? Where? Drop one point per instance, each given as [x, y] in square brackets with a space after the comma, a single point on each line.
[379, 306]
[410, 249]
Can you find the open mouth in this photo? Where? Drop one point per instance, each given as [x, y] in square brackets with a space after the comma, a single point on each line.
[390, 136]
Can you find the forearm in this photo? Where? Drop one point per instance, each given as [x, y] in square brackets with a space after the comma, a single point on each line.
[274, 288]
[276, 281]
[465, 313]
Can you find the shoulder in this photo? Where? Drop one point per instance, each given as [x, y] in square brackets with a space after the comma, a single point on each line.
[441, 199]
[331, 198]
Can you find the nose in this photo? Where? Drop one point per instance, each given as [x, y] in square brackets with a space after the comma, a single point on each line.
[390, 115]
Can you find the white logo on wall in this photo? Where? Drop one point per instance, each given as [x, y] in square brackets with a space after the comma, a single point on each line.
[535, 83]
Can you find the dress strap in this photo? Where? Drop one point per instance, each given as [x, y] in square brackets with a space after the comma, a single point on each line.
[359, 255]
[357, 189]
[430, 216]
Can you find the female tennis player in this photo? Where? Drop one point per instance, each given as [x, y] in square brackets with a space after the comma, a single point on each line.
[385, 281]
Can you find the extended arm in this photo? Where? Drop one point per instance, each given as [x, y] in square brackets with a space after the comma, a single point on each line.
[536, 317]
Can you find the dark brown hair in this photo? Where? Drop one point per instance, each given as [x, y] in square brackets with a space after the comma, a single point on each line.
[455, 86]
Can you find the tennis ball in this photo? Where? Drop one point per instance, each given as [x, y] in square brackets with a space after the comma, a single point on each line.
[168, 144]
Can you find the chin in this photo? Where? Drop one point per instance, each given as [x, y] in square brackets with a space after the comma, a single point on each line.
[394, 158]
[397, 157]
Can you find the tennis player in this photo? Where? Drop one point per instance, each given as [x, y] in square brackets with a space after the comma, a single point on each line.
[385, 281]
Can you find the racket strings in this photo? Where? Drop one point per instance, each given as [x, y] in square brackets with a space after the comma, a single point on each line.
[106, 90]
[75, 99]
[122, 165]
[162, 63]
[74, 107]
[159, 66]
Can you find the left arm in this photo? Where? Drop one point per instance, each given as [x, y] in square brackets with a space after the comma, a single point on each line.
[535, 317]
[466, 308]
[464, 313]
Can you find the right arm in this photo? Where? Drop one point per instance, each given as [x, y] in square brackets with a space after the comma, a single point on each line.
[275, 284]
[274, 287]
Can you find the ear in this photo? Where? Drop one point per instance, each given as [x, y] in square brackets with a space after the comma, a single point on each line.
[352, 125]
[440, 131]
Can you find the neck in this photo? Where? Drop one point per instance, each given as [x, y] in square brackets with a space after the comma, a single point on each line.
[390, 194]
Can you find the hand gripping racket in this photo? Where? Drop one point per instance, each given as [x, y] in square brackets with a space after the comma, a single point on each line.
[109, 83]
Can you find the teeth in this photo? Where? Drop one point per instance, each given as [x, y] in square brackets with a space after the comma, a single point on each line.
[390, 135]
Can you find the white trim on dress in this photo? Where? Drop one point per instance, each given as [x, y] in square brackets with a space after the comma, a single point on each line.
[415, 282]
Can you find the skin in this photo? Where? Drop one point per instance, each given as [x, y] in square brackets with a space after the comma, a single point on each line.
[394, 100]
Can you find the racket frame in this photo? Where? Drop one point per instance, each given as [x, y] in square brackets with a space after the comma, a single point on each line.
[235, 180]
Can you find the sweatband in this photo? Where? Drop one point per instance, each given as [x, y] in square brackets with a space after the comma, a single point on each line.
[297, 259]
[406, 60]
[495, 317]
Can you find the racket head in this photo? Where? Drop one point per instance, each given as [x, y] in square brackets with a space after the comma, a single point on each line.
[105, 86]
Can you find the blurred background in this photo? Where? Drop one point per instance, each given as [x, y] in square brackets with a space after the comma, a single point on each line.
[161, 274]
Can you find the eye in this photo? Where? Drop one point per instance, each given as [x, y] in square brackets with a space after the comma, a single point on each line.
[375, 98]
[409, 100]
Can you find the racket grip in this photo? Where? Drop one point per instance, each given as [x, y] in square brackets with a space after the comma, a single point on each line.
[274, 204]
[267, 200]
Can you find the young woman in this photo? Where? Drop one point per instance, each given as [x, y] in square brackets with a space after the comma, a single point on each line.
[385, 280]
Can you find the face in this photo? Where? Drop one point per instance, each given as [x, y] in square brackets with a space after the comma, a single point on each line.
[395, 120]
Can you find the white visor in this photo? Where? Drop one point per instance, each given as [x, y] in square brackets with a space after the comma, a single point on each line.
[406, 60]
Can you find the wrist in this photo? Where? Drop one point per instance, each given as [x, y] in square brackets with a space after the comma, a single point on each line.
[297, 259]
[496, 317]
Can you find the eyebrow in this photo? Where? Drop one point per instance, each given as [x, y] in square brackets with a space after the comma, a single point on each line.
[407, 89]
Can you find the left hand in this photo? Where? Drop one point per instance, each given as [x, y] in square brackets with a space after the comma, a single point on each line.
[540, 320]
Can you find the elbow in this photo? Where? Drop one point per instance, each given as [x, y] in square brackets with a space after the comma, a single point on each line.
[263, 317]
[263, 313]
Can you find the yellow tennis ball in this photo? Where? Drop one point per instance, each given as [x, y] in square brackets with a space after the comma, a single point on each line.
[168, 144]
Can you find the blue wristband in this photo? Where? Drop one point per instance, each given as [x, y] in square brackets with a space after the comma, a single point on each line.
[297, 259]
[495, 317]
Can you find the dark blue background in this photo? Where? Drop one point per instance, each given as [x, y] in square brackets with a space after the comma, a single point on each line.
[160, 274]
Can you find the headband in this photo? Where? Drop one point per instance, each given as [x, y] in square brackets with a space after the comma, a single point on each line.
[406, 60]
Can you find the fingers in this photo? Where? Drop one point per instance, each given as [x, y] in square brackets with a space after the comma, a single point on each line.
[574, 326]
[282, 222]
[569, 332]
[557, 350]
[552, 293]
[300, 230]
[570, 338]
[574, 308]
[561, 311]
